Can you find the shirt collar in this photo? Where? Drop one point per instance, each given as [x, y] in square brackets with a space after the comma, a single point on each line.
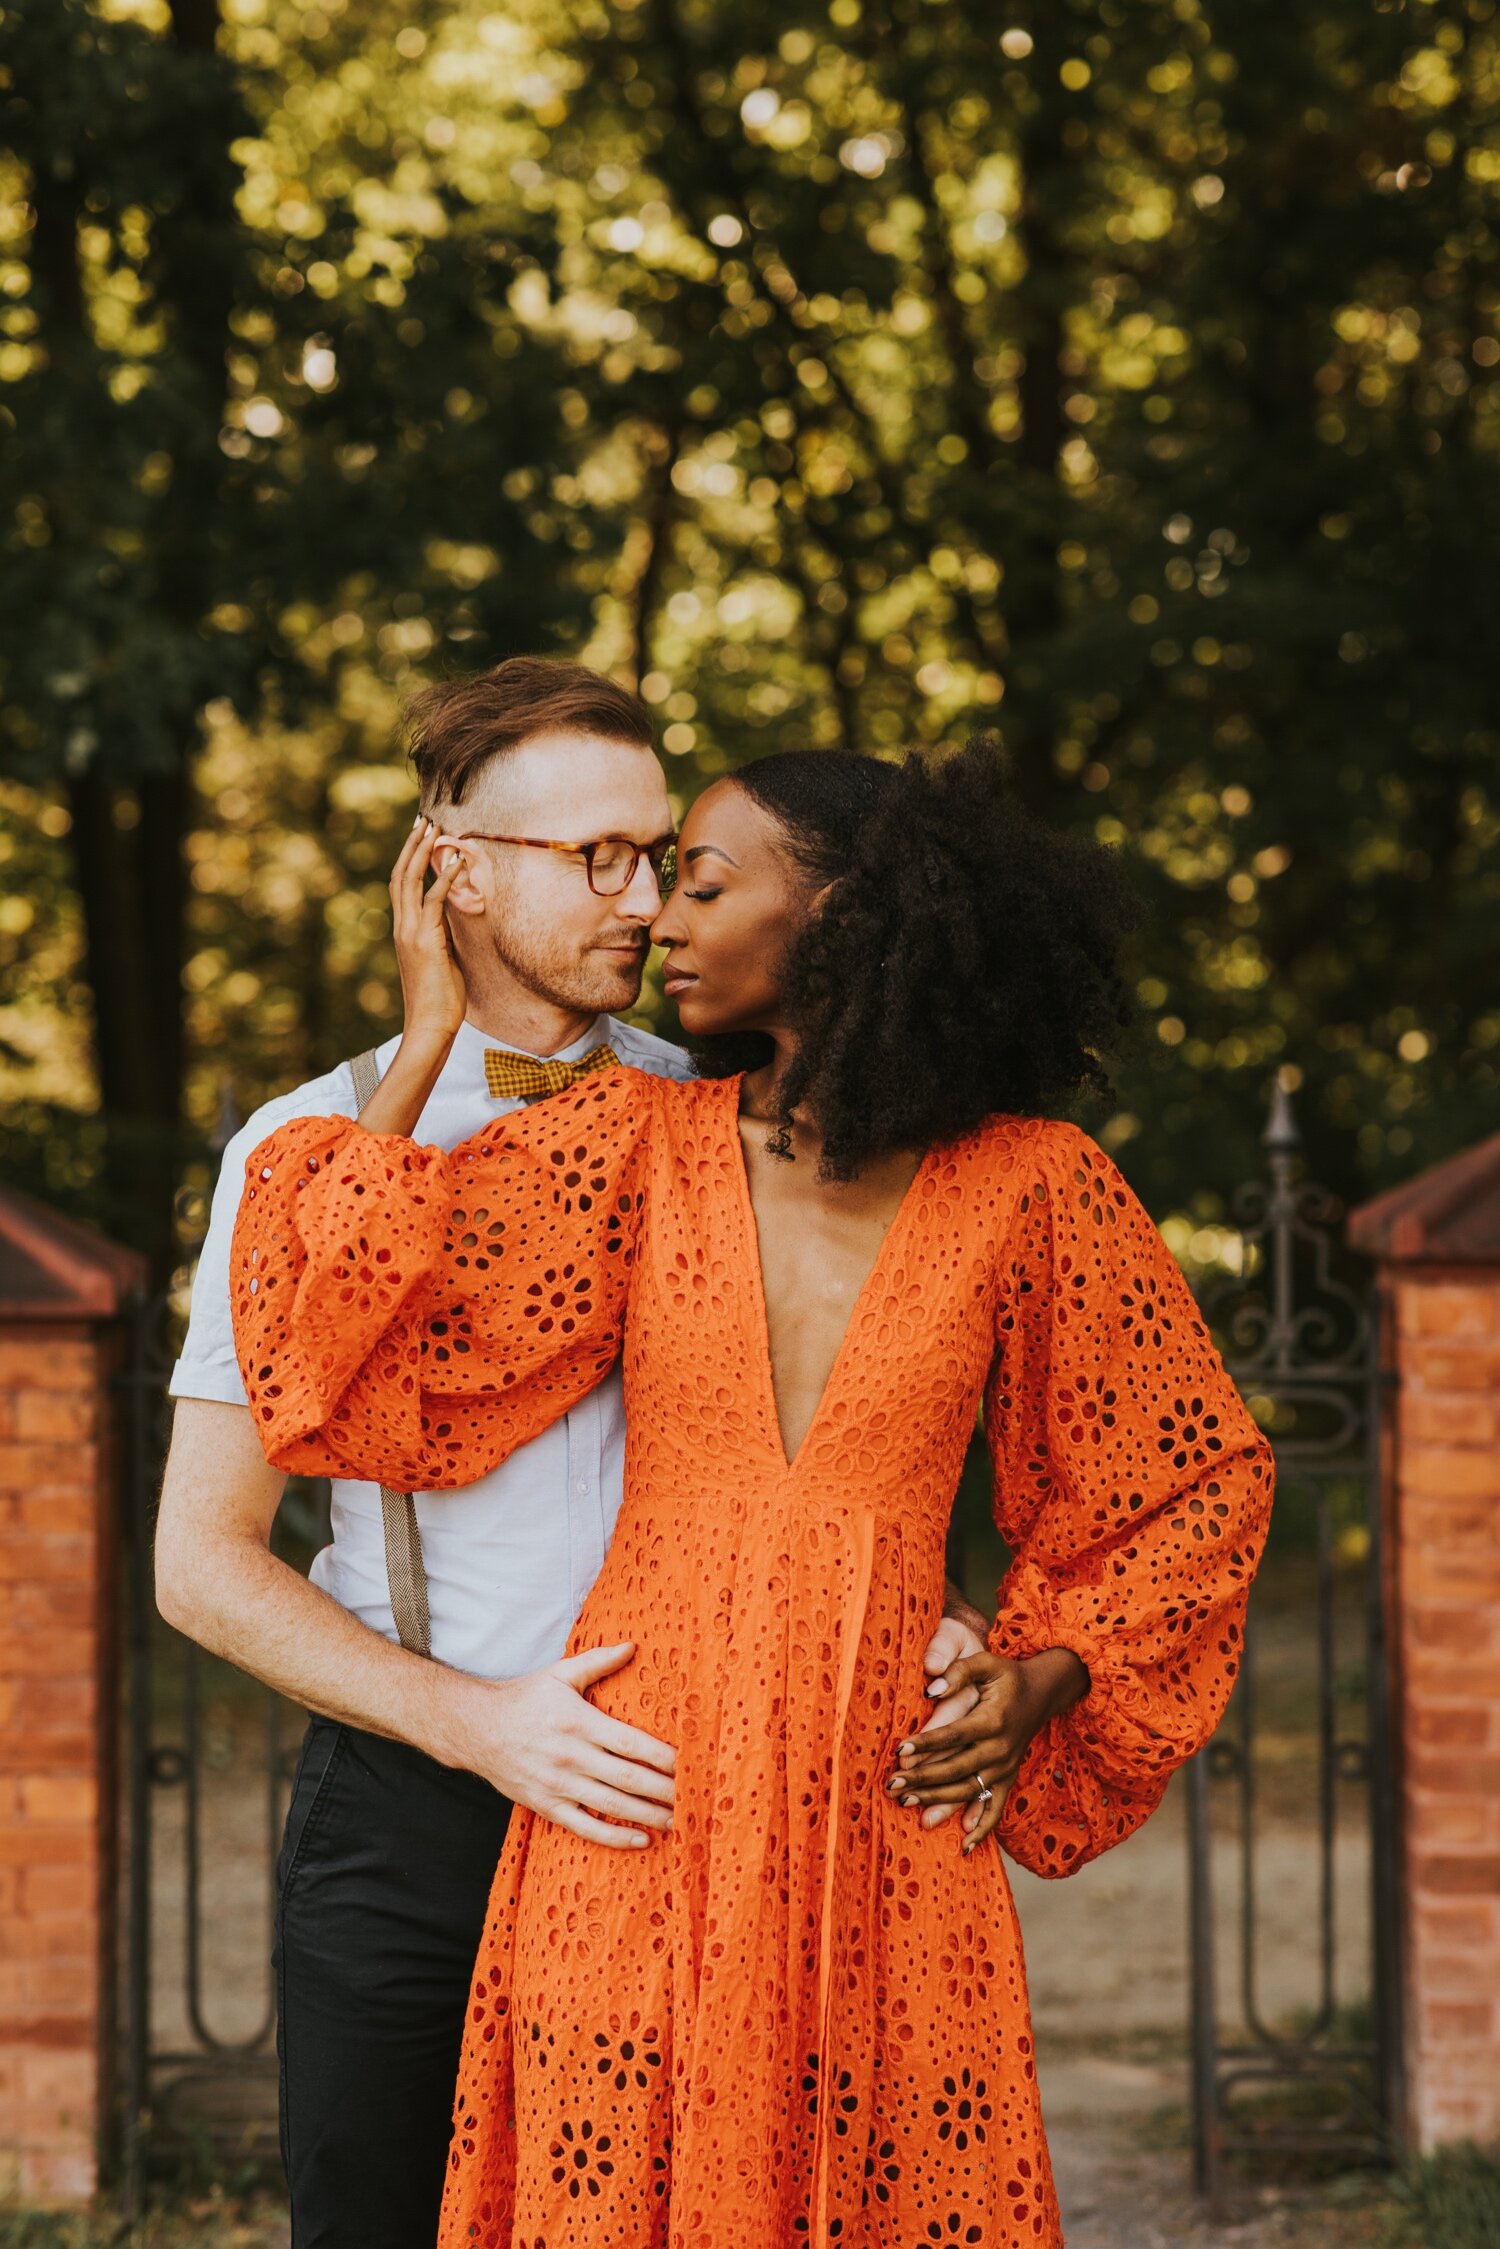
[470, 1044]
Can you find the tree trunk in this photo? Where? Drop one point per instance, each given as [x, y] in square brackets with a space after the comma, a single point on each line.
[195, 25]
[130, 882]
[660, 517]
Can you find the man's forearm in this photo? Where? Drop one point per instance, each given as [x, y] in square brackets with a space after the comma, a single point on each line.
[218, 1581]
[264, 1617]
[957, 1604]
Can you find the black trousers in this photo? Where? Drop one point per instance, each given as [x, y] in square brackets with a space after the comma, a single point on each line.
[384, 1876]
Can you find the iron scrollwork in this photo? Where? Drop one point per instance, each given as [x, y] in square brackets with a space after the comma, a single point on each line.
[1303, 1343]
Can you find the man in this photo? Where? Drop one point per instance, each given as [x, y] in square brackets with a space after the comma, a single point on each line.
[545, 773]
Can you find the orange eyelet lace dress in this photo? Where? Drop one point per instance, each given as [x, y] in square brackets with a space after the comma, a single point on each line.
[800, 2019]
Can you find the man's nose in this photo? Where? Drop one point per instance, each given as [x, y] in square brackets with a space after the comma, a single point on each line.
[641, 898]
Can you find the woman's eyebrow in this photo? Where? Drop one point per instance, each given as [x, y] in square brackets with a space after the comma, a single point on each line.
[699, 849]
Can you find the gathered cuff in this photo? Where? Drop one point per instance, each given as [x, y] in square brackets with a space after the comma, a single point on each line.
[1096, 1771]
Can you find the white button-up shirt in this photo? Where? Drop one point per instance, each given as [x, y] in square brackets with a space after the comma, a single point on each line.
[510, 1559]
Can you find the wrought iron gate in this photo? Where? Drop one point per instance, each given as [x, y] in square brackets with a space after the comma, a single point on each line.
[208, 1757]
[1321, 2077]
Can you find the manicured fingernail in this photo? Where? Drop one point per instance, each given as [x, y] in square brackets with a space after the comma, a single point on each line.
[938, 1687]
[906, 1749]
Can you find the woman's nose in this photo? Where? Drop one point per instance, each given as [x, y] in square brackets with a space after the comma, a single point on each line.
[666, 929]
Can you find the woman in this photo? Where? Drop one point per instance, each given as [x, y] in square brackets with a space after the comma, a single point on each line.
[800, 2017]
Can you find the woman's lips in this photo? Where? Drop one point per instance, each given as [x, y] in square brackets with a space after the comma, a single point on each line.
[676, 980]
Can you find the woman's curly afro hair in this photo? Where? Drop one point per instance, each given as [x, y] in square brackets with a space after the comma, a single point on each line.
[960, 967]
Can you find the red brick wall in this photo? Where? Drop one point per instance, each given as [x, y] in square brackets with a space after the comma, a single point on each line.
[1447, 1570]
[57, 1541]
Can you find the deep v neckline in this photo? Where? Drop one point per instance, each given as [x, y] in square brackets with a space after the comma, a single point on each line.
[760, 1317]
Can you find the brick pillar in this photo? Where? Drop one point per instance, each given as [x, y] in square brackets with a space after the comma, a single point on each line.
[61, 1290]
[1438, 1242]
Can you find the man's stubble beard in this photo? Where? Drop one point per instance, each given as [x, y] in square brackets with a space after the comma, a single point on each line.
[563, 976]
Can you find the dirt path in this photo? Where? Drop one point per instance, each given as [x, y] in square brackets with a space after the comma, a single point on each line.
[1108, 1964]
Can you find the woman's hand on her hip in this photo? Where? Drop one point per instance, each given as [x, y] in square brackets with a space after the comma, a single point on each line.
[974, 1759]
[961, 1633]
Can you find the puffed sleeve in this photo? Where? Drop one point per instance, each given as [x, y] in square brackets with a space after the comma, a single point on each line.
[412, 1317]
[1133, 1489]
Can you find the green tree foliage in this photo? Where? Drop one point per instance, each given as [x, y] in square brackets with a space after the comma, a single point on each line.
[1118, 373]
[231, 457]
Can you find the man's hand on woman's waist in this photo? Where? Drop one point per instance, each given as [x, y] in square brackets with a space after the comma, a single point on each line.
[539, 1741]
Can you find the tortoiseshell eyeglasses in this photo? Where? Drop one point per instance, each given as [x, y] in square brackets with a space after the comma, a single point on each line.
[609, 862]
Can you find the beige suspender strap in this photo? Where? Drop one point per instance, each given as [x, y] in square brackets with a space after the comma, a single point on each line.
[405, 1573]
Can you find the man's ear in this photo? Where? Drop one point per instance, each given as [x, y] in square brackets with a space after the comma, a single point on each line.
[465, 897]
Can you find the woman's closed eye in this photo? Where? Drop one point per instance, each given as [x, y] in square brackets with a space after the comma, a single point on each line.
[700, 897]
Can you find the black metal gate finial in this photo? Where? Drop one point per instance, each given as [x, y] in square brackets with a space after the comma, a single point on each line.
[1283, 1134]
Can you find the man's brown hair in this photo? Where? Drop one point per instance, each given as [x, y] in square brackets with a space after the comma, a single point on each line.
[456, 726]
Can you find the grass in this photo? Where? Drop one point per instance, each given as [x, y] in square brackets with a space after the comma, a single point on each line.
[214, 2220]
[1445, 2201]
[1450, 2200]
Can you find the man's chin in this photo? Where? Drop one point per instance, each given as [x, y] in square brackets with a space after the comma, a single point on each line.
[616, 988]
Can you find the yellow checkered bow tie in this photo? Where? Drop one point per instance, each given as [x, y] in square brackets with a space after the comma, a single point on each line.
[515, 1077]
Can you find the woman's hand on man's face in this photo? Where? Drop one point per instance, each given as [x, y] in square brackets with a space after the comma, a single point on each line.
[432, 982]
[432, 986]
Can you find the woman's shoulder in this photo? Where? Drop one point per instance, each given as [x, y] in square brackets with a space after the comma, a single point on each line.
[690, 1116]
[605, 1110]
[1048, 1145]
[1045, 1160]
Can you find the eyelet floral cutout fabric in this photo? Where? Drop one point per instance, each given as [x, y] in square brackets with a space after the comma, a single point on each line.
[800, 2020]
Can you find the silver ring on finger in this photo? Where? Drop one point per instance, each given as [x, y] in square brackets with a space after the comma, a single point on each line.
[985, 1791]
